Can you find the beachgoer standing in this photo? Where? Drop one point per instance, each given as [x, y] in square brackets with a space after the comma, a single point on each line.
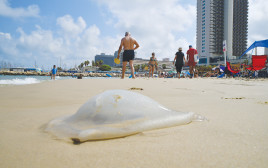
[53, 72]
[127, 43]
[179, 58]
[190, 59]
[152, 64]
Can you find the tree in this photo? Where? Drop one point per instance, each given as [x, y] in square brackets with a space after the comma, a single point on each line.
[86, 63]
[59, 69]
[105, 67]
[93, 63]
[81, 65]
[137, 68]
[164, 66]
[100, 62]
[143, 66]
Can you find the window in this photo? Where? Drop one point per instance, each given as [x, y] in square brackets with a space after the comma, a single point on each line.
[203, 51]
[203, 24]
[203, 48]
[203, 37]
[203, 27]
[204, 11]
[203, 14]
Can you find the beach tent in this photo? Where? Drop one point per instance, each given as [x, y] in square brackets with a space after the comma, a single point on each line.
[262, 43]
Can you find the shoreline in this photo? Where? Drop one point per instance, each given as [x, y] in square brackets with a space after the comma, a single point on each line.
[90, 74]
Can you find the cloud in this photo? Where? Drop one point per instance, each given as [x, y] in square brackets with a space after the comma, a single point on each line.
[7, 11]
[70, 27]
[72, 43]
[160, 26]
[5, 35]
[258, 20]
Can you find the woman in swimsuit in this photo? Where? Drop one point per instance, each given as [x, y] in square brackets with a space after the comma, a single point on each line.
[152, 65]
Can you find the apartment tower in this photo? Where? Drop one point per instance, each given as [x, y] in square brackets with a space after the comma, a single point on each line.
[219, 20]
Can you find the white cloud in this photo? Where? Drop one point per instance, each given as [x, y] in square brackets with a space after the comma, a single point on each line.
[76, 44]
[258, 20]
[5, 35]
[6, 10]
[70, 27]
[157, 25]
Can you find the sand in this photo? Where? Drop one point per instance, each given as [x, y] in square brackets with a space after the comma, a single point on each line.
[235, 135]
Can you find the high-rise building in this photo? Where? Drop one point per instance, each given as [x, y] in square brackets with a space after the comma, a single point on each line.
[107, 59]
[219, 20]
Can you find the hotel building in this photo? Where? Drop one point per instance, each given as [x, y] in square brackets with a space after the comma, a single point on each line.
[219, 20]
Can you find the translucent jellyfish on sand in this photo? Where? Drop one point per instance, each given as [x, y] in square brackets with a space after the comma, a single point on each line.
[114, 114]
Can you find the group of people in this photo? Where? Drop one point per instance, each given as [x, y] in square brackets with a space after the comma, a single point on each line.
[129, 44]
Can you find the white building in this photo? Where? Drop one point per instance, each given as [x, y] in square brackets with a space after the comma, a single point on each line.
[165, 59]
[219, 20]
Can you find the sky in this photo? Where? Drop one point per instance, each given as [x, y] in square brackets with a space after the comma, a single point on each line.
[67, 32]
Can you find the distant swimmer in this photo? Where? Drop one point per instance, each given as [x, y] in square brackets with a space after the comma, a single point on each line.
[129, 44]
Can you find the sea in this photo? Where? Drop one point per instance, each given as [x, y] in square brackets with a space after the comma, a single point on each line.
[6, 80]
[26, 80]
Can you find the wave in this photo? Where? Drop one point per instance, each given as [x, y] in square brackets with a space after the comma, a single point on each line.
[17, 81]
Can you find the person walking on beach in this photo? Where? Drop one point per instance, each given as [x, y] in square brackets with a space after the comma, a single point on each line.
[179, 58]
[53, 72]
[129, 44]
[152, 64]
[190, 59]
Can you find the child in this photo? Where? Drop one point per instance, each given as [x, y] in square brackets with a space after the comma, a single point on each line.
[53, 72]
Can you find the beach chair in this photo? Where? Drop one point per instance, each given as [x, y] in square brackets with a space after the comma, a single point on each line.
[230, 68]
[258, 62]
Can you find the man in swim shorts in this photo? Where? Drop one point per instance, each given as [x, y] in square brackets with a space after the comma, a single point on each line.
[129, 44]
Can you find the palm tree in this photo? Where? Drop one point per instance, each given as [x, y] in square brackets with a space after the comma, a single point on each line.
[81, 65]
[86, 63]
[97, 63]
[100, 62]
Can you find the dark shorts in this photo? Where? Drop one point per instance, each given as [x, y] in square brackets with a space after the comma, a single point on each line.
[128, 55]
[178, 68]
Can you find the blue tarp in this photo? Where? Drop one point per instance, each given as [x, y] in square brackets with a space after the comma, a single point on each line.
[262, 43]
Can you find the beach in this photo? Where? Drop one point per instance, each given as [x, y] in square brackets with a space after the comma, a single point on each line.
[235, 133]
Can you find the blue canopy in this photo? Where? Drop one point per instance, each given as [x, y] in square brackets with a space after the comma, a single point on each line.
[262, 43]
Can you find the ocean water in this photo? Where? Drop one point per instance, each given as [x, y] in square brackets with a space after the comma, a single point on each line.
[25, 80]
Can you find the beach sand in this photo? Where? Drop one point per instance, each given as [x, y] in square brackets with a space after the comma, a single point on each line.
[235, 135]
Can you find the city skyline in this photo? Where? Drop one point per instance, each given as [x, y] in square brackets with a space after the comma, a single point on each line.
[68, 32]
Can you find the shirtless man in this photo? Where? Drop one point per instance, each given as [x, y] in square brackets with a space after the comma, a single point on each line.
[128, 56]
